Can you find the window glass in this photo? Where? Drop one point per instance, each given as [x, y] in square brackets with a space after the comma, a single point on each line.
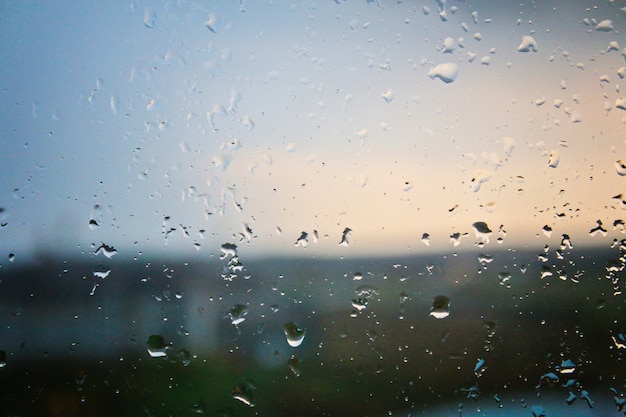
[369, 208]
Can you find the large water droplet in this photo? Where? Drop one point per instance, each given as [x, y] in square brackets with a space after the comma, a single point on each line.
[295, 335]
[445, 72]
[480, 368]
[228, 250]
[106, 250]
[156, 346]
[237, 314]
[482, 231]
[441, 307]
[567, 366]
[149, 18]
[303, 240]
[528, 44]
[605, 26]
[243, 393]
[554, 160]
[344, 237]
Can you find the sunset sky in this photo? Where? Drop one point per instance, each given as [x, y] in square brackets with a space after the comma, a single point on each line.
[250, 122]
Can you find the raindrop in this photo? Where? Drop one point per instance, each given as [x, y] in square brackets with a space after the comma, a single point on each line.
[441, 307]
[504, 278]
[598, 229]
[480, 368]
[149, 18]
[426, 239]
[445, 72]
[448, 45]
[482, 231]
[359, 303]
[528, 44]
[294, 365]
[344, 237]
[547, 230]
[237, 314]
[243, 393]
[585, 396]
[538, 411]
[455, 238]
[211, 21]
[366, 291]
[553, 162]
[3, 359]
[570, 398]
[295, 335]
[567, 366]
[388, 96]
[605, 26]
[228, 250]
[303, 240]
[156, 346]
[620, 167]
[106, 250]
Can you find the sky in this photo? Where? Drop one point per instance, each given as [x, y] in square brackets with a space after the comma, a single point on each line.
[175, 127]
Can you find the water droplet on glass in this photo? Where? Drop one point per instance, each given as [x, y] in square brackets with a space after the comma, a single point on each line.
[3, 359]
[598, 229]
[538, 411]
[294, 365]
[445, 72]
[156, 346]
[237, 314]
[228, 250]
[605, 26]
[344, 237]
[102, 273]
[482, 231]
[553, 162]
[585, 396]
[480, 368]
[504, 278]
[243, 393]
[149, 18]
[620, 167]
[303, 240]
[211, 21]
[366, 291]
[426, 239]
[388, 96]
[547, 230]
[448, 45]
[567, 366]
[441, 307]
[359, 303]
[106, 250]
[528, 44]
[295, 335]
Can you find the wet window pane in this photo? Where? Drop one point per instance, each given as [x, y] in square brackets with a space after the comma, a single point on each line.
[327, 208]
